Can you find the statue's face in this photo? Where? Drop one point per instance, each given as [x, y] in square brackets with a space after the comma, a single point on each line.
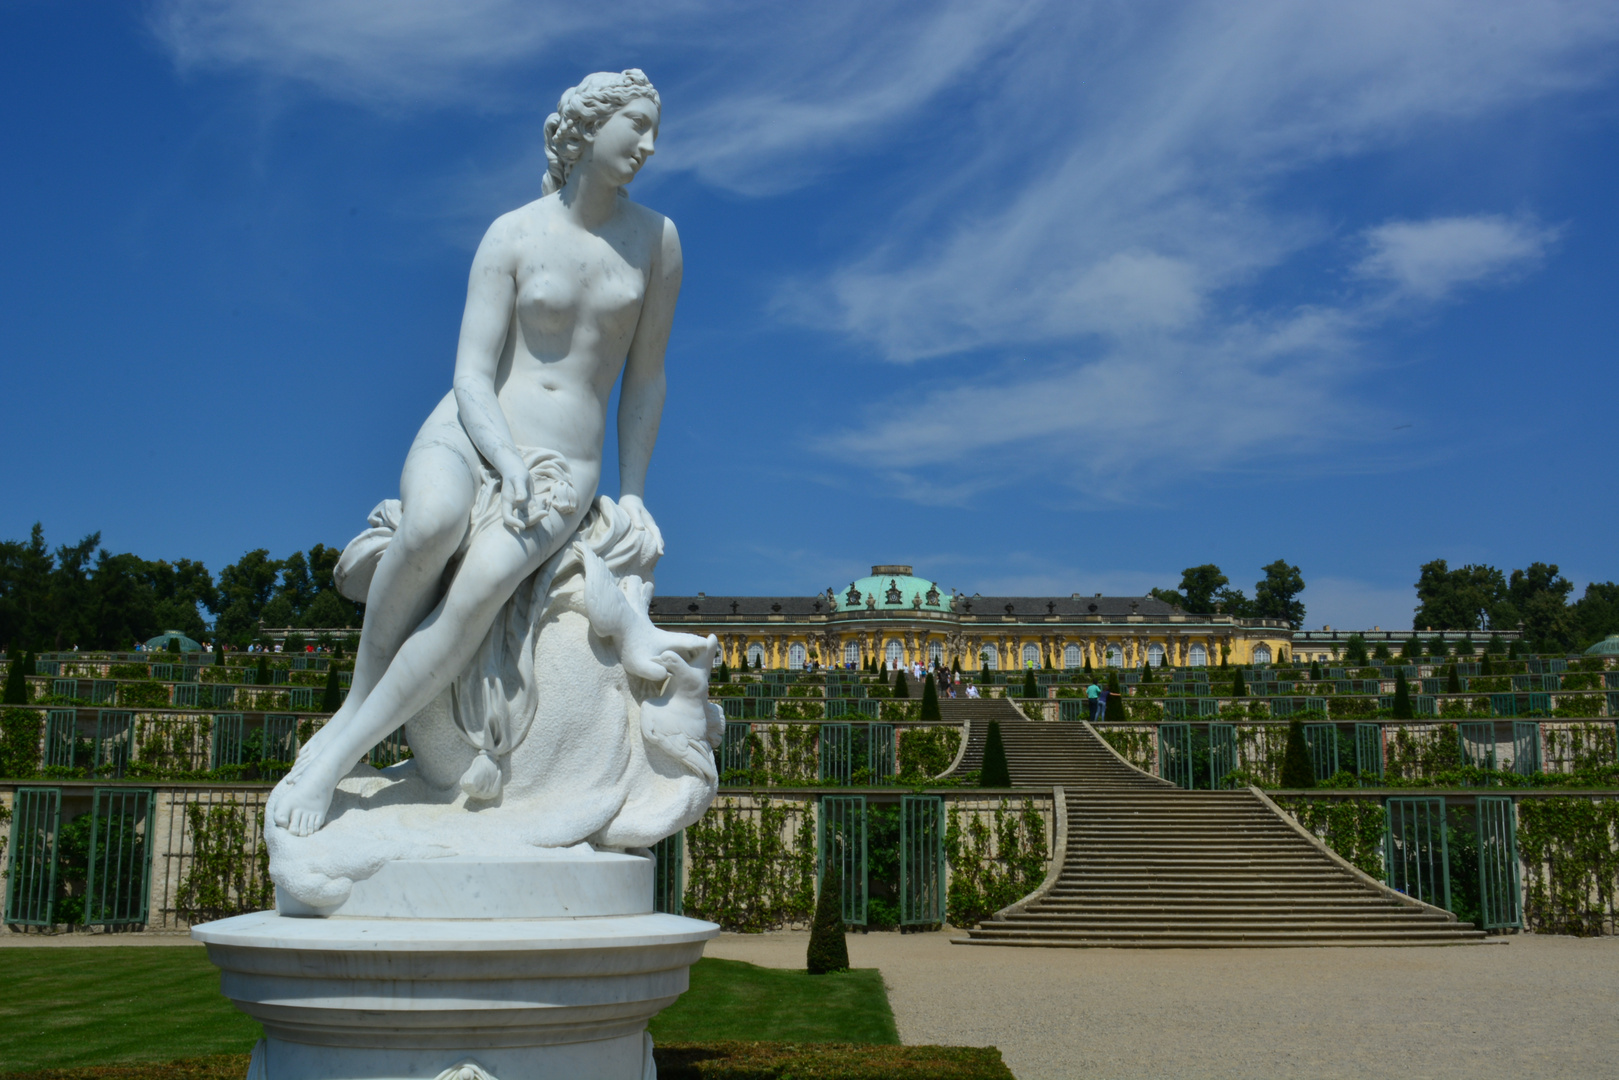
[622, 144]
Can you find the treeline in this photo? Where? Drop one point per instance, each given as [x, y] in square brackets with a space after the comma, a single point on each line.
[1484, 598]
[83, 595]
[1205, 590]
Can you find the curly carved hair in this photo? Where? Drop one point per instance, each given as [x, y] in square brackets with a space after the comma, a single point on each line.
[582, 110]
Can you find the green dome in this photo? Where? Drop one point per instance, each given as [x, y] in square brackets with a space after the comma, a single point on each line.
[1608, 646]
[161, 642]
[892, 588]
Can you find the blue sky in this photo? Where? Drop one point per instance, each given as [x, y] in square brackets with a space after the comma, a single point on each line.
[1039, 297]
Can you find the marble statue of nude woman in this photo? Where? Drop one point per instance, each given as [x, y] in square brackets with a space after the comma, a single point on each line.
[565, 295]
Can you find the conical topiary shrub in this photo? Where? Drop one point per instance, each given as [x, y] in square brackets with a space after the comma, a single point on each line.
[174, 645]
[1453, 680]
[1402, 697]
[1238, 687]
[930, 699]
[262, 676]
[1315, 669]
[17, 678]
[1146, 671]
[1297, 772]
[724, 674]
[219, 651]
[994, 772]
[332, 700]
[902, 689]
[828, 951]
[1031, 688]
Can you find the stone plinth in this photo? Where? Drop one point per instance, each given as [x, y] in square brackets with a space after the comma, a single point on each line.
[362, 997]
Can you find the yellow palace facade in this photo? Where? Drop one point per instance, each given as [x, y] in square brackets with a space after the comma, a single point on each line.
[895, 616]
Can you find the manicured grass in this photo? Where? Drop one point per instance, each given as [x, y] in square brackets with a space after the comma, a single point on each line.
[730, 999]
[92, 1006]
[72, 1007]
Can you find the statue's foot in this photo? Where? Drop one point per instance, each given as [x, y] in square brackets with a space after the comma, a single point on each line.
[304, 801]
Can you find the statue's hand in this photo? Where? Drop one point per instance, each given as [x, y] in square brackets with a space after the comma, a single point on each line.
[641, 518]
[514, 498]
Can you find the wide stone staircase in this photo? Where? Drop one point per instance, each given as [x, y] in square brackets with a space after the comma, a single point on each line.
[1148, 865]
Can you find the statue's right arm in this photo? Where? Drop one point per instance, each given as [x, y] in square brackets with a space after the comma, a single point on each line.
[491, 292]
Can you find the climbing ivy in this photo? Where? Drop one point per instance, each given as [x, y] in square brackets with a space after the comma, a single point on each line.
[741, 870]
[926, 752]
[1571, 863]
[1413, 753]
[228, 875]
[993, 863]
[1352, 827]
[1134, 745]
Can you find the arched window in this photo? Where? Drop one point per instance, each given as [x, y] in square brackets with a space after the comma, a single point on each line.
[988, 658]
[1115, 658]
[895, 652]
[1262, 654]
[796, 657]
[1155, 654]
[719, 656]
[756, 655]
[1198, 656]
[1073, 657]
[851, 653]
[1031, 656]
[935, 652]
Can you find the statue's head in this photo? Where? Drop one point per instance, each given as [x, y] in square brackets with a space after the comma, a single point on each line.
[585, 109]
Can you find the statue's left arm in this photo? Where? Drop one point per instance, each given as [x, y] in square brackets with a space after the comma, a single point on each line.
[640, 406]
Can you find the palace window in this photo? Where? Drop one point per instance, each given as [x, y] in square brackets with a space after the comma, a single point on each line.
[1073, 657]
[795, 657]
[1155, 654]
[935, 652]
[719, 657]
[756, 655]
[1262, 654]
[1031, 656]
[895, 652]
[988, 658]
[851, 653]
[1115, 658]
[1198, 656]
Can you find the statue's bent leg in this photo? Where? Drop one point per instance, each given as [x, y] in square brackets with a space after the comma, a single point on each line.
[436, 493]
[496, 563]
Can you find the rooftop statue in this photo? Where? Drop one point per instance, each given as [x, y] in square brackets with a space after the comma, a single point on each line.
[506, 622]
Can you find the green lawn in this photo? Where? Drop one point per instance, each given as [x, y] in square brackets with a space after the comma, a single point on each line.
[62, 1007]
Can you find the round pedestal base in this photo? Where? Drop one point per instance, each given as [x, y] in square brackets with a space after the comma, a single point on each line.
[418, 999]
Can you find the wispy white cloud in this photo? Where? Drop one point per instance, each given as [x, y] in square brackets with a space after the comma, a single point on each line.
[1426, 260]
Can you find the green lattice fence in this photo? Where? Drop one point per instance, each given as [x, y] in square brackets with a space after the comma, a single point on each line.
[841, 835]
[1416, 853]
[668, 877]
[36, 822]
[119, 883]
[921, 865]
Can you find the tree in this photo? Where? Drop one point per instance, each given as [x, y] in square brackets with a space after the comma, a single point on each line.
[1437, 647]
[828, 950]
[1239, 688]
[1315, 669]
[1539, 595]
[758, 661]
[723, 676]
[17, 679]
[1031, 689]
[930, 699]
[1467, 598]
[19, 741]
[902, 689]
[994, 773]
[1402, 697]
[1146, 670]
[1276, 597]
[1596, 614]
[1297, 771]
[1197, 592]
[245, 589]
[1465, 647]
[262, 677]
[1412, 649]
[1355, 654]
[332, 700]
[1453, 679]
[1113, 713]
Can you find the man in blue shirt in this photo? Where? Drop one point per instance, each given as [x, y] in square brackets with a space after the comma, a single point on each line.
[1094, 693]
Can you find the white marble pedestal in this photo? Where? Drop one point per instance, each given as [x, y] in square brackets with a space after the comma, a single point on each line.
[499, 996]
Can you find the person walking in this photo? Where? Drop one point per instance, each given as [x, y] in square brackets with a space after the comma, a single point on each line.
[1094, 694]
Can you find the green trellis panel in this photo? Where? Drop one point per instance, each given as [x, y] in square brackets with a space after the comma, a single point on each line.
[1207, 706]
[227, 740]
[301, 698]
[836, 707]
[102, 691]
[837, 753]
[668, 874]
[1314, 704]
[280, 743]
[1476, 741]
[1281, 706]
[120, 877]
[1539, 705]
[387, 752]
[1504, 704]
[880, 752]
[65, 688]
[1369, 750]
[1175, 754]
[114, 730]
[840, 830]
[61, 737]
[1071, 709]
[1222, 753]
[163, 672]
[1526, 759]
[1500, 895]
[734, 750]
[36, 820]
[921, 860]
[1322, 739]
[1415, 849]
[1424, 705]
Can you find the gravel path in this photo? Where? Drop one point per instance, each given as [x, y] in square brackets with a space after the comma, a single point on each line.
[1540, 1007]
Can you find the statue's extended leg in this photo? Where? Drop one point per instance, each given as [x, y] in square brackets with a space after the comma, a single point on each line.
[424, 665]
